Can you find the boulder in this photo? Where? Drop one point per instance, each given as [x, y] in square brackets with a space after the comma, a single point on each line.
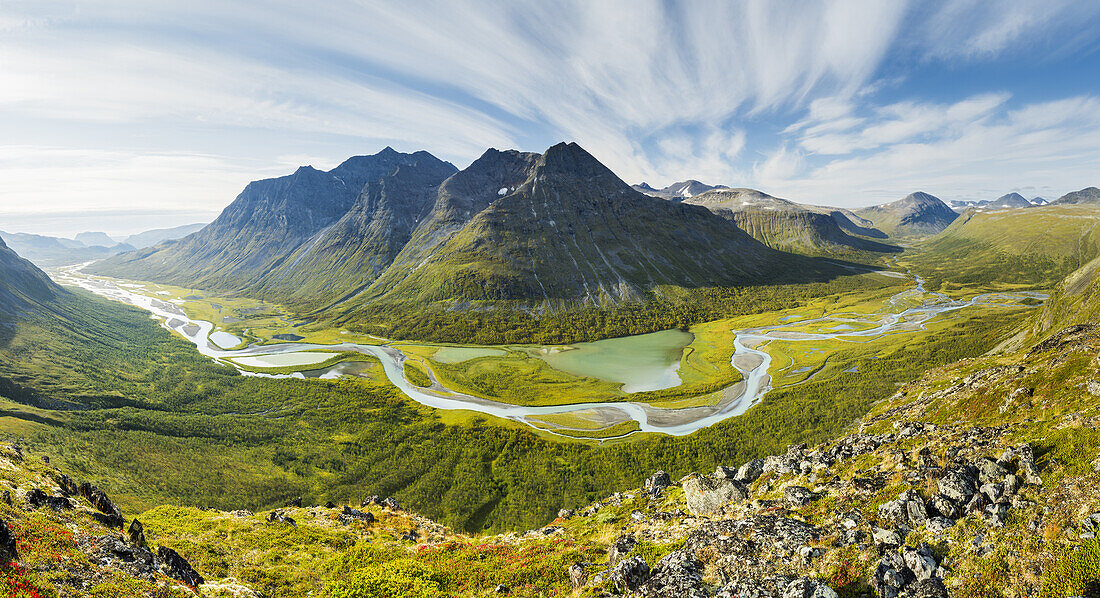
[578, 575]
[565, 513]
[920, 561]
[175, 566]
[938, 525]
[391, 503]
[294, 502]
[918, 514]
[893, 513]
[749, 472]
[136, 534]
[112, 516]
[927, 588]
[630, 574]
[805, 587]
[798, 496]
[958, 484]
[677, 575]
[37, 498]
[885, 537]
[706, 495]
[657, 483]
[68, 486]
[620, 548]
[8, 550]
[944, 506]
[989, 471]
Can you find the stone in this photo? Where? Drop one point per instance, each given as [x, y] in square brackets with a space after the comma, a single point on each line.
[893, 513]
[657, 482]
[706, 495]
[8, 549]
[993, 492]
[920, 561]
[620, 548]
[885, 537]
[330, 505]
[938, 525]
[578, 575]
[177, 567]
[112, 516]
[391, 503]
[68, 486]
[958, 484]
[1093, 387]
[798, 496]
[990, 471]
[565, 513]
[918, 514]
[349, 513]
[1012, 483]
[294, 502]
[37, 498]
[637, 516]
[677, 575]
[994, 515]
[502, 589]
[805, 587]
[927, 588]
[944, 506]
[750, 471]
[630, 574]
[136, 534]
[370, 500]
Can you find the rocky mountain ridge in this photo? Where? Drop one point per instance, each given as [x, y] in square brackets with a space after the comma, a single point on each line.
[918, 213]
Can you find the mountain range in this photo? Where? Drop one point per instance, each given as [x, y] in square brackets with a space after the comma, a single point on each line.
[918, 213]
[790, 226]
[1086, 195]
[550, 229]
[46, 251]
[678, 191]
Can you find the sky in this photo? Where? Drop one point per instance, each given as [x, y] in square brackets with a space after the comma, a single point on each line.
[123, 115]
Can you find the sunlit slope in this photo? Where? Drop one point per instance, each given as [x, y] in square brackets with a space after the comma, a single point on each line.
[1037, 246]
[571, 232]
[916, 214]
[312, 234]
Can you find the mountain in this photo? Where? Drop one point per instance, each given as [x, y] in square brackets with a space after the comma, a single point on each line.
[275, 225]
[21, 283]
[160, 235]
[785, 225]
[916, 214]
[48, 252]
[551, 229]
[1038, 201]
[1011, 200]
[95, 239]
[561, 228]
[1086, 195]
[678, 191]
[1037, 246]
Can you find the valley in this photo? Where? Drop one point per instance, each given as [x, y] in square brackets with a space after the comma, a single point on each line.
[680, 381]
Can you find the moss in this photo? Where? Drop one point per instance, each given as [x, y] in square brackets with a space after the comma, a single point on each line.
[1077, 572]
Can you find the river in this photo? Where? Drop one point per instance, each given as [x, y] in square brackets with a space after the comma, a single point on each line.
[748, 358]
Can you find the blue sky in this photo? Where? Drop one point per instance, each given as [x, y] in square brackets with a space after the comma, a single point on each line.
[147, 114]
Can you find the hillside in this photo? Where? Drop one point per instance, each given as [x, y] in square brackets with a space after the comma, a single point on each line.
[979, 479]
[916, 214]
[571, 232]
[22, 285]
[1088, 195]
[785, 225]
[253, 245]
[1036, 247]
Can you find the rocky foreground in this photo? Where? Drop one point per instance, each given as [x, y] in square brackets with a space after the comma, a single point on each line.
[980, 480]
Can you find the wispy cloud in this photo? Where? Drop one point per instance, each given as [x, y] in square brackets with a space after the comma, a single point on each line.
[783, 93]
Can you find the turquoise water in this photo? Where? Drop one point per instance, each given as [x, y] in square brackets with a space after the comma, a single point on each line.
[642, 362]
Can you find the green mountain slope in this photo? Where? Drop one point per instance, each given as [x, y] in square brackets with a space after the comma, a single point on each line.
[571, 232]
[1037, 246]
[915, 214]
[22, 285]
[785, 225]
[271, 223]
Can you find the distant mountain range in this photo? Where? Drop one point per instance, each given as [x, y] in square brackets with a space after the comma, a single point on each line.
[48, 252]
[790, 226]
[678, 191]
[548, 229]
[915, 214]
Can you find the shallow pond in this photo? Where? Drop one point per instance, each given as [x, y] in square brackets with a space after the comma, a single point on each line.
[459, 354]
[224, 339]
[283, 360]
[642, 362]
